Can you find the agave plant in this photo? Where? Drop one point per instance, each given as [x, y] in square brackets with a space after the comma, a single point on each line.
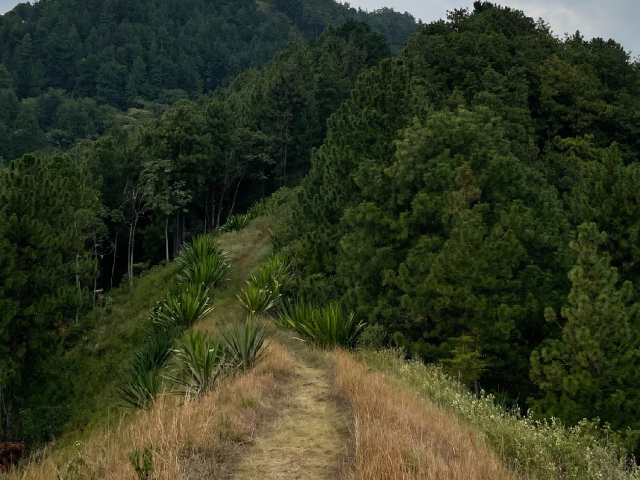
[294, 317]
[258, 209]
[198, 362]
[275, 270]
[258, 301]
[235, 223]
[141, 388]
[331, 326]
[244, 345]
[210, 271]
[328, 326]
[183, 307]
[203, 261]
[155, 351]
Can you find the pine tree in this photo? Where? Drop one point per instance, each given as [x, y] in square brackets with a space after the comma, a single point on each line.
[593, 371]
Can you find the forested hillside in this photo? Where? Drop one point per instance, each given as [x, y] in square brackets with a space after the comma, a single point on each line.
[78, 221]
[67, 67]
[473, 200]
[478, 198]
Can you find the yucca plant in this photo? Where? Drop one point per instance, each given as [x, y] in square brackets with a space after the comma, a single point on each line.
[235, 223]
[155, 350]
[203, 261]
[258, 301]
[183, 307]
[209, 271]
[328, 326]
[244, 344]
[277, 269]
[295, 316]
[258, 209]
[141, 388]
[331, 327]
[198, 362]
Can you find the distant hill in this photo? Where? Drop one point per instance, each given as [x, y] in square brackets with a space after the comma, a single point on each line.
[133, 53]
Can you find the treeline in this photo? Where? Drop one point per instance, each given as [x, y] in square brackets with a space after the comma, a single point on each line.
[478, 198]
[63, 63]
[88, 219]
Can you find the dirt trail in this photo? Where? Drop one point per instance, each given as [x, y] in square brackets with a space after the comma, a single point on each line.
[307, 440]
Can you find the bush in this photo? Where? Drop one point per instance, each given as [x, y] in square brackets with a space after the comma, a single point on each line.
[373, 337]
[183, 307]
[544, 450]
[198, 361]
[276, 270]
[203, 261]
[258, 209]
[258, 301]
[235, 223]
[141, 388]
[326, 327]
[244, 344]
[142, 461]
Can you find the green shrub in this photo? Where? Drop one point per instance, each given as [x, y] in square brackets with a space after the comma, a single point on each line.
[541, 450]
[295, 316]
[373, 337]
[203, 261]
[198, 361]
[210, 271]
[244, 344]
[235, 223]
[258, 301]
[258, 209]
[326, 327]
[276, 270]
[155, 351]
[141, 388]
[183, 307]
[142, 461]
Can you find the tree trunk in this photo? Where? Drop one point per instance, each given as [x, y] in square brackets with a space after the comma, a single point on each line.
[113, 267]
[233, 203]
[166, 237]
[132, 234]
[220, 207]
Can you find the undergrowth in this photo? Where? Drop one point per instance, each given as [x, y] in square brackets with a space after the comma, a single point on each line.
[541, 450]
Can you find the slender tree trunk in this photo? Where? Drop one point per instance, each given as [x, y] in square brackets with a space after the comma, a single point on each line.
[113, 267]
[132, 233]
[78, 286]
[233, 203]
[176, 242]
[166, 237]
[220, 207]
[213, 209]
[286, 148]
[182, 232]
[206, 211]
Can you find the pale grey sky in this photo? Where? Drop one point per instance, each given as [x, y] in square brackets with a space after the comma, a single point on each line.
[615, 19]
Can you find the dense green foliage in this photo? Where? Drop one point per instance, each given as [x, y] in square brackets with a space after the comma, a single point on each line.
[47, 218]
[67, 67]
[443, 203]
[75, 222]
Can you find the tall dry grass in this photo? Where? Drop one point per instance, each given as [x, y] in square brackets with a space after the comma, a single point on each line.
[191, 439]
[401, 437]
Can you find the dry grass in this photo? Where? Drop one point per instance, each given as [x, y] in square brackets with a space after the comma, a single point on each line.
[193, 439]
[399, 436]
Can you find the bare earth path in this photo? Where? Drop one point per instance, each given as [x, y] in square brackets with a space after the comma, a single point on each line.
[306, 440]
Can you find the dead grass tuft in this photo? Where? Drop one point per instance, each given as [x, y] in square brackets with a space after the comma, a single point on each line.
[399, 436]
[191, 439]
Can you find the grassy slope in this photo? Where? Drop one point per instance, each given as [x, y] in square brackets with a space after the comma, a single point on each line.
[105, 343]
[303, 412]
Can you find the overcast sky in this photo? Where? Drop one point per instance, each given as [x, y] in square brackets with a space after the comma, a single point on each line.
[615, 19]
